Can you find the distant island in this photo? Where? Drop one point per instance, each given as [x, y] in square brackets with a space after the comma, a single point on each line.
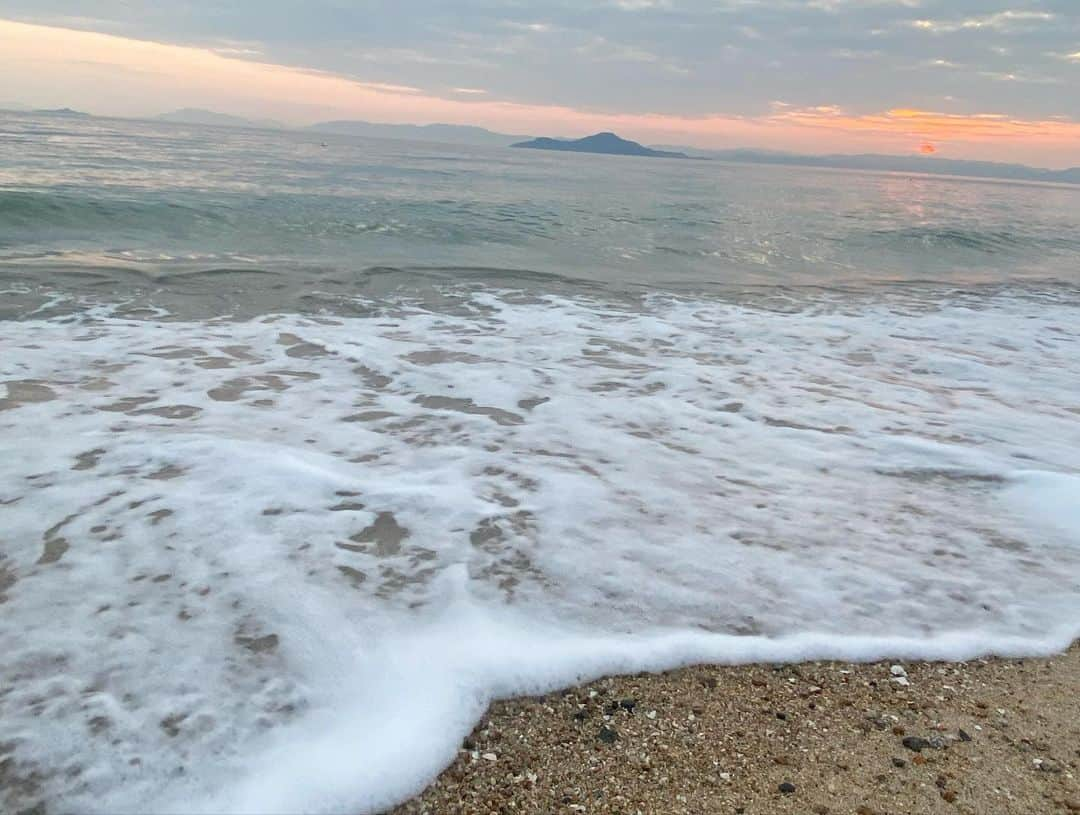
[76, 114]
[198, 116]
[607, 143]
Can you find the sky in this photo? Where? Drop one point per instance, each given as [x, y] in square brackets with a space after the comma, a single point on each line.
[985, 79]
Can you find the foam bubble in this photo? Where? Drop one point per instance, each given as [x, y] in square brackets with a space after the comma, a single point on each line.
[284, 564]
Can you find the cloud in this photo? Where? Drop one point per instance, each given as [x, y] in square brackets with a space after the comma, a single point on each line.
[600, 48]
[999, 21]
[854, 53]
[231, 51]
[686, 58]
[833, 6]
[59, 66]
[1010, 76]
[386, 87]
[640, 5]
[235, 48]
[926, 125]
[535, 28]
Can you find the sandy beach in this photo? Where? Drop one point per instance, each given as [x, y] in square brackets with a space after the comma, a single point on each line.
[981, 737]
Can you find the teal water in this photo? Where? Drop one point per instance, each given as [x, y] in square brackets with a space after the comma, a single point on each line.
[198, 214]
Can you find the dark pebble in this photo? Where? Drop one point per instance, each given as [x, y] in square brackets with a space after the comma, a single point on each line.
[964, 735]
[915, 743]
[787, 788]
[782, 717]
[628, 705]
[607, 735]
[899, 762]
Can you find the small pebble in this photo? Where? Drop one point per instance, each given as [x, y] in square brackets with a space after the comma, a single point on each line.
[787, 788]
[915, 743]
[607, 735]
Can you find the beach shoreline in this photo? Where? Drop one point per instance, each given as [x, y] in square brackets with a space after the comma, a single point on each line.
[981, 737]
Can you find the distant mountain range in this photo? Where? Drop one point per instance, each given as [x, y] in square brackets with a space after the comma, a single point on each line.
[26, 111]
[198, 116]
[607, 143]
[78, 114]
[446, 134]
[465, 134]
[898, 164]
[441, 133]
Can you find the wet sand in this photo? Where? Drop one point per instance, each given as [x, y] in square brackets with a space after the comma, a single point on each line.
[981, 737]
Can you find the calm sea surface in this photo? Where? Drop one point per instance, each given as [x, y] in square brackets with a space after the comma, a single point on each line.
[223, 219]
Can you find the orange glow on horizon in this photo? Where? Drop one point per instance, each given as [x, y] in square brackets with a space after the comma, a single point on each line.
[57, 67]
[927, 149]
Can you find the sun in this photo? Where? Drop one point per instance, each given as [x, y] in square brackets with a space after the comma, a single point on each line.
[927, 149]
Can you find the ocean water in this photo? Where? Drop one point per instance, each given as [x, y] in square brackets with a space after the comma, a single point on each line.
[308, 452]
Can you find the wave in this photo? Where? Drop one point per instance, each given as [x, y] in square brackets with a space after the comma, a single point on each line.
[986, 241]
[32, 210]
[353, 532]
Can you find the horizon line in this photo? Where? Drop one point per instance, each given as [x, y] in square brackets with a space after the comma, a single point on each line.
[762, 154]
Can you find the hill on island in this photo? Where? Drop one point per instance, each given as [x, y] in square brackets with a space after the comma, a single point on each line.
[607, 143]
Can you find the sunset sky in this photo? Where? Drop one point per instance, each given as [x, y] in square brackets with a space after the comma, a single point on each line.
[953, 78]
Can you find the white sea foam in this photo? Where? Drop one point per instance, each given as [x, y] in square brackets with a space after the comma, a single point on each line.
[284, 564]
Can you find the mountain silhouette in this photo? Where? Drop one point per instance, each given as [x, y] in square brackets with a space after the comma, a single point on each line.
[607, 143]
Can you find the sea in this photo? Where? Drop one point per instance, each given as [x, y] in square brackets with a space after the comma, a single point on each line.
[312, 446]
